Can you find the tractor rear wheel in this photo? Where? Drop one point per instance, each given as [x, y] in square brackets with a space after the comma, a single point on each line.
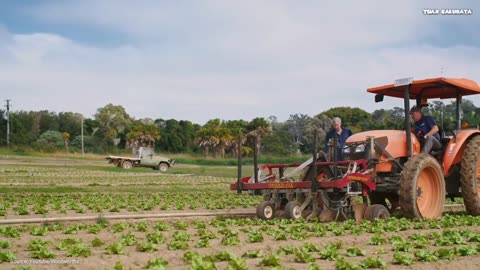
[376, 211]
[422, 188]
[470, 176]
[265, 210]
[293, 210]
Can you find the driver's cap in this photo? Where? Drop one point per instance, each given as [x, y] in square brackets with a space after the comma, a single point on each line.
[415, 109]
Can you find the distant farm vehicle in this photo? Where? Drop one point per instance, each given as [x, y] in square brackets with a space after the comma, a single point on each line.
[145, 158]
[384, 167]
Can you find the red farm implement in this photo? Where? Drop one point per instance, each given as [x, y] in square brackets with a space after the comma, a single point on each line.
[307, 189]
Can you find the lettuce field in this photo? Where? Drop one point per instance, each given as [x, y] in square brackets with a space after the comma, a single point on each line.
[217, 242]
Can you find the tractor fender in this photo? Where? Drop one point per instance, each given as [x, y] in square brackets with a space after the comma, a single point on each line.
[455, 148]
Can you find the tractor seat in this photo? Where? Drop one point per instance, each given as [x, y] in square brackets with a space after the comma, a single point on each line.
[438, 152]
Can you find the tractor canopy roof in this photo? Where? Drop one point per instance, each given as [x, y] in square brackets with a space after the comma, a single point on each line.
[431, 88]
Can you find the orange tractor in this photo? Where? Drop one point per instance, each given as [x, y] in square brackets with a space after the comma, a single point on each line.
[384, 167]
[415, 182]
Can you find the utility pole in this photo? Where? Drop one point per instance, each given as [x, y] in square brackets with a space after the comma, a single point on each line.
[83, 152]
[8, 121]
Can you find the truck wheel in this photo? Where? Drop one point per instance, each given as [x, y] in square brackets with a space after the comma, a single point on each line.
[116, 162]
[163, 167]
[375, 211]
[293, 210]
[470, 176]
[422, 188]
[265, 210]
[127, 165]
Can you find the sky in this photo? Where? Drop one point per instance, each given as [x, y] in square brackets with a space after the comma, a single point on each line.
[199, 60]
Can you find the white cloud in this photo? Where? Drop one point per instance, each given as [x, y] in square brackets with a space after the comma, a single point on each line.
[224, 59]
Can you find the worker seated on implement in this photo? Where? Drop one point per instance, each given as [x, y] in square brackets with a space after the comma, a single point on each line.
[426, 130]
[341, 133]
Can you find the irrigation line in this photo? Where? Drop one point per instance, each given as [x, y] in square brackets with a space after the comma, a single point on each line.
[231, 213]
[130, 216]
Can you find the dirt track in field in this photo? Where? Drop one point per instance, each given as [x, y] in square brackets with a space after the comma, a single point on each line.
[39, 161]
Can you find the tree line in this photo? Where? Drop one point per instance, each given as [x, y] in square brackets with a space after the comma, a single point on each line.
[113, 130]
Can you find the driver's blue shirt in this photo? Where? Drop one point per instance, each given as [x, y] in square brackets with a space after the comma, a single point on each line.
[424, 125]
[342, 137]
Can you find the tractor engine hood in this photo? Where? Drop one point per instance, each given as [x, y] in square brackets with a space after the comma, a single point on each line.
[394, 141]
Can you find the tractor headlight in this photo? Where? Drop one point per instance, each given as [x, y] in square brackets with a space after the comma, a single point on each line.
[360, 148]
[353, 151]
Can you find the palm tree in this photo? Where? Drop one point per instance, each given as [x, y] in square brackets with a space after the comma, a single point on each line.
[259, 127]
[236, 129]
[205, 139]
[208, 136]
[225, 139]
[142, 134]
[236, 138]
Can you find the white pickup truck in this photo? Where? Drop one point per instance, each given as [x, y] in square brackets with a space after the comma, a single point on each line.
[145, 158]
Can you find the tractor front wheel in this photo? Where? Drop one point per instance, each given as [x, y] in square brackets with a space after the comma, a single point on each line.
[422, 188]
[382, 197]
[470, 176]
[376, 211]
[265, 210]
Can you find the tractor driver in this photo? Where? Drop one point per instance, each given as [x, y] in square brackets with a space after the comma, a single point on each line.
[426, 130]
[342, 134]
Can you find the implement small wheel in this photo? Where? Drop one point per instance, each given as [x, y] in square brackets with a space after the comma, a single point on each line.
[293, 210]
[127, 165]
[265, 210]
[376, 211]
